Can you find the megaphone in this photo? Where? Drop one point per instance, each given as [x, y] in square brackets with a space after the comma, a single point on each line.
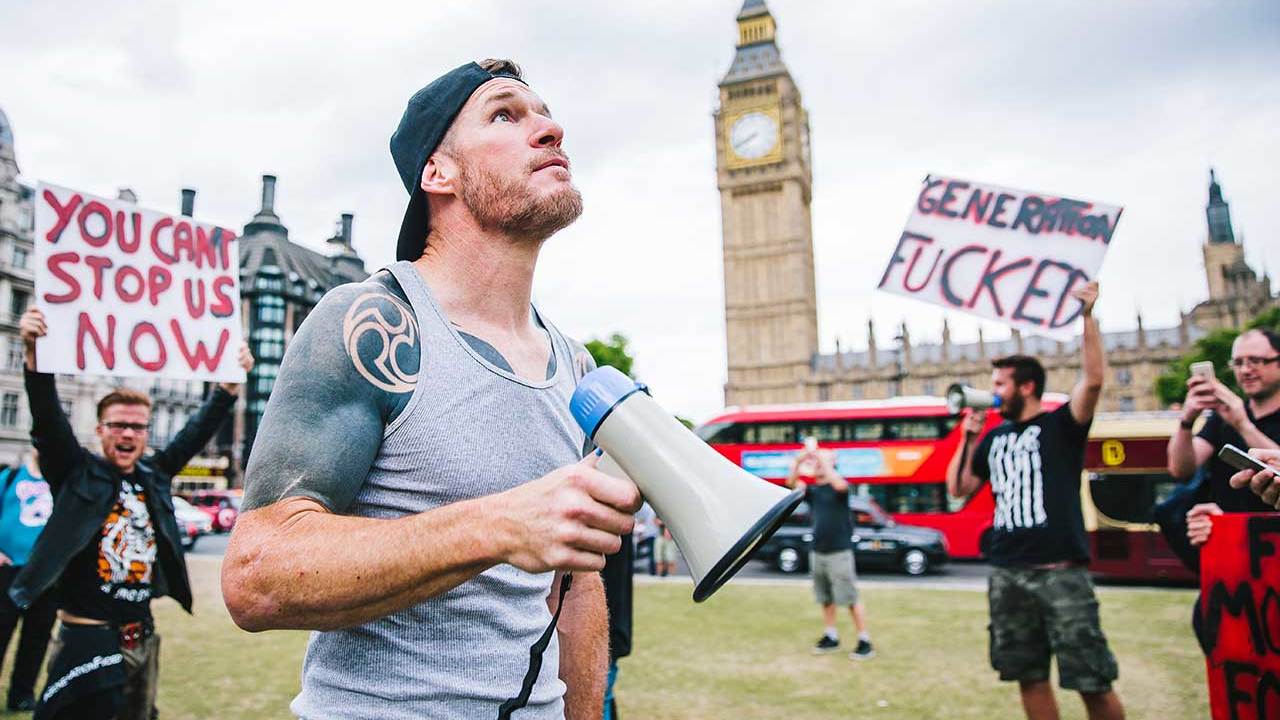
[718, 513]
[960, 397]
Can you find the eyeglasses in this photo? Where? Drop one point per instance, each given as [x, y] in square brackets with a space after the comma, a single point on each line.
[122, 426]
[1241, 363]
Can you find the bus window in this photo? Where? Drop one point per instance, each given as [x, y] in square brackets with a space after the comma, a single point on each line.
[1128, 497]
[721, 433]
[771, 433]
[823, 432]
[928, 497]
[867, 430]
[914, 429]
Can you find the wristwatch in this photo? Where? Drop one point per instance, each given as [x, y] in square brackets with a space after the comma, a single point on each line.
[1187, 424]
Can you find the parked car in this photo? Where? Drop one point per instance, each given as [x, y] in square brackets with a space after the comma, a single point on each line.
[192, 522]
[222, 506]
[878, 542]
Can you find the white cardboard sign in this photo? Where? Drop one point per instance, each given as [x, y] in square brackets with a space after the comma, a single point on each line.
[1001, 254]
[133, 292]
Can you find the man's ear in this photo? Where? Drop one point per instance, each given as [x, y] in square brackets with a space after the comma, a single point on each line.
[438, 175]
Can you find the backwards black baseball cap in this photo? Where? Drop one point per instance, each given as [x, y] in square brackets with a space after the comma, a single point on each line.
[427, 118]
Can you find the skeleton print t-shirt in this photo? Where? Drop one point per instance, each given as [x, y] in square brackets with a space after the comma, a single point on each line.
[1034, 468]
[110, 579]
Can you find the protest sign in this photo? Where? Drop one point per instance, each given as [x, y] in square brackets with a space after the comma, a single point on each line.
[1001, 254]
[132, 292]
[1240, 615]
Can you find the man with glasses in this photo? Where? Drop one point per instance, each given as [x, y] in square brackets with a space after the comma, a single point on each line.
[111, 543]
[1252, 422]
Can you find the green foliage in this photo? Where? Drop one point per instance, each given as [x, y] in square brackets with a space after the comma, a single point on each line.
[1171, 386]
[612, 353]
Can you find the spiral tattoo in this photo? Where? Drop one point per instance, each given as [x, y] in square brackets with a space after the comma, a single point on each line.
[366, 316]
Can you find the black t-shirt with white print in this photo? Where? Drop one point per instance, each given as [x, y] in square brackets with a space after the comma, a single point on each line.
[110, 578]
[1034, 469]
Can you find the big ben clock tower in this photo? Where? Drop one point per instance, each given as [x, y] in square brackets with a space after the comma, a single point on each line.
[765, 181]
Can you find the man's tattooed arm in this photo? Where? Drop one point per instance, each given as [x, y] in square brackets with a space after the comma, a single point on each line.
[350, 369]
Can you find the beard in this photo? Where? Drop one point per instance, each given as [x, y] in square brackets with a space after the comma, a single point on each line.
[1265, 393]
[1012, 410]
[510, 206]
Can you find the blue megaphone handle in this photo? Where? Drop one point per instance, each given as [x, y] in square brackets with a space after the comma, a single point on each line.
[598, 393]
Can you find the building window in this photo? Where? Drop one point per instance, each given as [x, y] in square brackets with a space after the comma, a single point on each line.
[270, 315]
[17, 354]
[9, 410]
[18, 302]
[824, 392]
[929, 387]
[857, 391]
[19, 257]
[1124, 376]
[1126, 404]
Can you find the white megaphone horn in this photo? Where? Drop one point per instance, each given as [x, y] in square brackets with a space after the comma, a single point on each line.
[960, 397]
[718, 513]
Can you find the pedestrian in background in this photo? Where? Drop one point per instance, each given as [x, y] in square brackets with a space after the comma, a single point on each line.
[835, 576]
[25, 505]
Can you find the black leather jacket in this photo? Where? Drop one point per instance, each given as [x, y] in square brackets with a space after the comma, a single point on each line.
[85, 489]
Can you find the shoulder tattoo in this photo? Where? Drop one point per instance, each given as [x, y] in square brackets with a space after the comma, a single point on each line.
[374, 342]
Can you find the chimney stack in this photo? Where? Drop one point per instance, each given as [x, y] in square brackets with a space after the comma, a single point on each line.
[188, 202]
[268, 194]
[346, 228]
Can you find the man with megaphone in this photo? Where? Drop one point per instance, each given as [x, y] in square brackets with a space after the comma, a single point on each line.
[1041, 596]
[416, 492]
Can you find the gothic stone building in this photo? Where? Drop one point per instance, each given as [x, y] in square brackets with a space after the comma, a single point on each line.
[771, 319]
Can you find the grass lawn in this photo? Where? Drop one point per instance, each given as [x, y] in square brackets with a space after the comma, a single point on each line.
[743, 654]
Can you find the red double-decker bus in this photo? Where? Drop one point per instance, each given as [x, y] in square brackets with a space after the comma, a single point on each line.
[893, 451]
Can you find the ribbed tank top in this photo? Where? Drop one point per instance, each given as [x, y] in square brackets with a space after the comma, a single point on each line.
[471, 429]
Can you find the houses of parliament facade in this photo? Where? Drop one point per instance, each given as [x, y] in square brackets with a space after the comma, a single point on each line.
[771, 313]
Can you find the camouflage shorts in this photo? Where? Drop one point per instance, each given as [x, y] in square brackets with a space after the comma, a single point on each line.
[1036, 613]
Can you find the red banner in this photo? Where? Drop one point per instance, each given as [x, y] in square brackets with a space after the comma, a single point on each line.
[1240, 609]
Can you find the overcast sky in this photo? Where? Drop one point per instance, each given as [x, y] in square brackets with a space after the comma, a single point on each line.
[1120, 102]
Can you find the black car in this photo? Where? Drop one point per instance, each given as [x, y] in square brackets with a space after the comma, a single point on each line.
[878, 542]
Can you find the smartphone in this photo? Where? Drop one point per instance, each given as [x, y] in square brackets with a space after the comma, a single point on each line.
[1240, 460]
[1203, 368]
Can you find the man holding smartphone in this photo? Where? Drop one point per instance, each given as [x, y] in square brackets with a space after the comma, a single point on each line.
[1252, 422]
[834, 575]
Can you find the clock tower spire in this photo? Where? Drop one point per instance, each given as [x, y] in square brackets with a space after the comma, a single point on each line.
[765, 182]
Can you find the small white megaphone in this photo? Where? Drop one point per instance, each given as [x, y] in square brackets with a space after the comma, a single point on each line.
[960, 397]
[718, 513]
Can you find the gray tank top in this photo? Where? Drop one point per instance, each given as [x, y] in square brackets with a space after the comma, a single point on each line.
[471, 429]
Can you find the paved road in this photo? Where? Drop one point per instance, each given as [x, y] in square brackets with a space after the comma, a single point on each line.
[955, 574]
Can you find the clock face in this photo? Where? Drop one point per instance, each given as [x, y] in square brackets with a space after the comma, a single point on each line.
[753, 135]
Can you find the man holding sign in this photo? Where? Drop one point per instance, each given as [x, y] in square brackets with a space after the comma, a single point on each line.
[111, 543]
[1041, 597]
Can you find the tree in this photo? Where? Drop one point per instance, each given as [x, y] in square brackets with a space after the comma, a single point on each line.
[612, 353]
[1171, 386]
